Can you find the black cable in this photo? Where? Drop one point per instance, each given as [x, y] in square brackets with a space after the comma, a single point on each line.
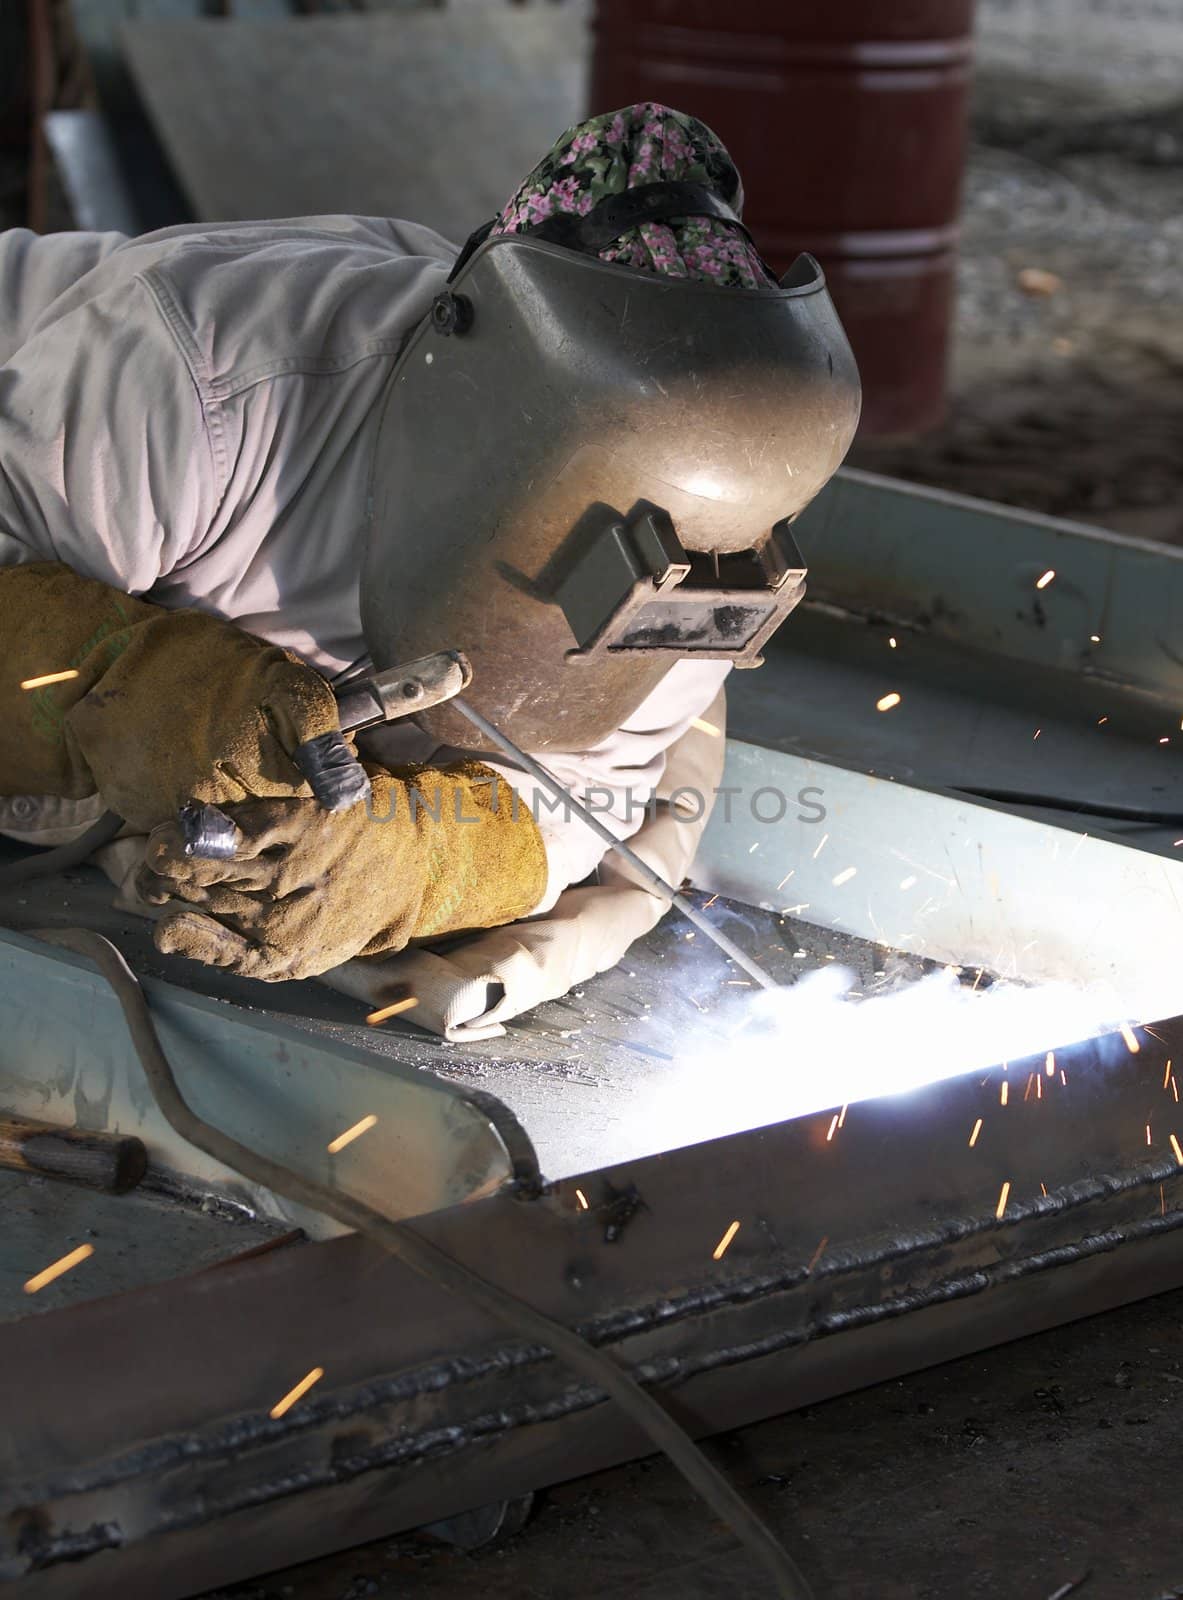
[1088, 808]
[426, 1258]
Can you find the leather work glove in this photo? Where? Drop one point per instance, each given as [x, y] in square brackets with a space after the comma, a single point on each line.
[166, 706]
[436, 851]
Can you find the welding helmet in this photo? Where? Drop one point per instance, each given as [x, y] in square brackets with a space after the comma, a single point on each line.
[586, 472]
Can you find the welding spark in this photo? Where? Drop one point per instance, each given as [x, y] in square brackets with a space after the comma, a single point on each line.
[297, 1393]
[1176, 1149]
[888, 702]
[908, 883]
[833, 1125]
[785, 879]
[1063, 1077]
[707, 906]
[817, 1254]
[1094, 638]
[704, 727]
[1037, 732]
[842, 1114]
[57, 1268]
[1042, 583]
[49, 677]
[721, 1248]
[1166, 1074]
[844, 876]
[391, 1010]
[973, 1138]
[1050, 1063]
[1174, 1088]
[1147, 1133]
[1100, 720]
[351, 1134]
[1005, 1091]
[1002, 1199]
[892, 642]
[1164, 740]
[821, 846]
[934, 1029]
[1131, 1042]
[582, 1198]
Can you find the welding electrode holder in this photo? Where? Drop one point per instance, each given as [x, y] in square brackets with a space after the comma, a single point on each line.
[209, 834]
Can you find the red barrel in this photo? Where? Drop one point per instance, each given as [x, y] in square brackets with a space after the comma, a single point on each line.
[847, 120]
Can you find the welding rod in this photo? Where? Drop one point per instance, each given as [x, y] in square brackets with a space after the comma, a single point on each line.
[652, 879]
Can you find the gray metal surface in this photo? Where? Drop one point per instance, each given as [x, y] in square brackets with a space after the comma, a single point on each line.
[955, 880]
[965, 570]
[88, 165]
[65, 1057]
[318, 115]
[857, 1258]
[572, 1072]
[143, 1237]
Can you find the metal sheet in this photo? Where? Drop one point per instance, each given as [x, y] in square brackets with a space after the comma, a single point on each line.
[344, 101]
[65, 1057]
[965, 570]
[572, 1071]
[855, 1259]
[952, 879]
[146, 1236]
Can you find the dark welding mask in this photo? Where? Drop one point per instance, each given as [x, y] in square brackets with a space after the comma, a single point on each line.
[586, 472]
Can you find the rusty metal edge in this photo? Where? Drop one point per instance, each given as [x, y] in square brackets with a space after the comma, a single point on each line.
[425, 1406]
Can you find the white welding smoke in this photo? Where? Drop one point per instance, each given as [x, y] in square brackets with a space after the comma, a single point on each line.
[807, 1047]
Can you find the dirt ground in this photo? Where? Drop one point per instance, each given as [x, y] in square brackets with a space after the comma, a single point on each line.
[1071, 402]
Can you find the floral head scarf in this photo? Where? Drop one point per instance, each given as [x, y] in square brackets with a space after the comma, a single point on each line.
[645, 144]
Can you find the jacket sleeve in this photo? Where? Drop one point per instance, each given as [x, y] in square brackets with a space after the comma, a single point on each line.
[35, 270]
[106, 459]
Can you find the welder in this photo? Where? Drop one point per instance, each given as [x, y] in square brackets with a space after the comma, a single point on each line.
[241, 464]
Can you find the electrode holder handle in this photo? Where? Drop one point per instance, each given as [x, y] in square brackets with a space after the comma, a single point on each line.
[403, 690]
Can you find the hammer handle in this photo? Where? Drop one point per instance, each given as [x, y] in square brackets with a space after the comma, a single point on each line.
[109, 1161]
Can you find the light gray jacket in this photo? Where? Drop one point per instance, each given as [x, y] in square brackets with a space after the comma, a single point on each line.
[190, 416]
